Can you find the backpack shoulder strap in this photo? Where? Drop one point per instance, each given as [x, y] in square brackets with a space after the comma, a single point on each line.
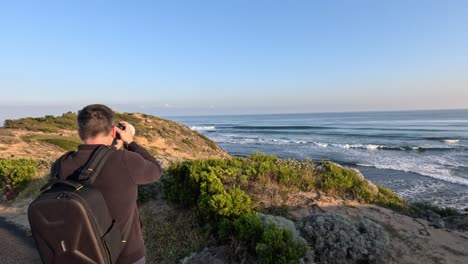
[56, 168]
[94, 165]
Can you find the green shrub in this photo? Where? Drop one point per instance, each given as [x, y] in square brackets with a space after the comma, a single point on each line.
[213, 188]
[179, 186]
[147, 192]
[278, 246]
[361, 191]
[62, 143]
[232, 203]
[271, 243]
[389, 199]
[17, 172]
[337, 179]
[419, 209]
[344, 181]
[248, 228]
[199, 183]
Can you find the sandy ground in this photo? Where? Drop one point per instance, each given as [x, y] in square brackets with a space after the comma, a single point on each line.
[13, 146]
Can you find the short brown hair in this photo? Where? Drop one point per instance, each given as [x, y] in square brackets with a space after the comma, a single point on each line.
[95, 119]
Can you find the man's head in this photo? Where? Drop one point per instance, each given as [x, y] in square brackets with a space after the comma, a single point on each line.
[96, 124]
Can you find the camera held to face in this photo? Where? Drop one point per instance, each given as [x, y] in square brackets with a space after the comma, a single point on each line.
[121, 127]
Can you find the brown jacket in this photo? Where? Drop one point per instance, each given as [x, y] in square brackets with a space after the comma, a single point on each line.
[118, 182]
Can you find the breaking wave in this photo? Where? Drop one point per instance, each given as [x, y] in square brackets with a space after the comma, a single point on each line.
[203, 128]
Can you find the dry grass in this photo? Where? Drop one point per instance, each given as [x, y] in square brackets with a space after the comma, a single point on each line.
[171, 235]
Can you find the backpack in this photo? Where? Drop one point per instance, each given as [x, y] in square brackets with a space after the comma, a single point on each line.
[70, 220]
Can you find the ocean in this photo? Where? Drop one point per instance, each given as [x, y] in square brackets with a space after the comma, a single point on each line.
[421, 155]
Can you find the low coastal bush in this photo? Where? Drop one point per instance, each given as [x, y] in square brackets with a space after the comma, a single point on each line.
[216, 189]
[339, 180]
[148, 192]
[62, 143]
[196, 183]
[336, 239]
[278, 246]
[212, 188]
[270, 242]
[15, 174]
[419, 209]
[387, 198]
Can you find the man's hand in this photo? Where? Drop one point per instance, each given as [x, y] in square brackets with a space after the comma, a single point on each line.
[117, 144]
[126, 135]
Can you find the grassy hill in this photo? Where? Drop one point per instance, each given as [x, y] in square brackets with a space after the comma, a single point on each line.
[47, 137]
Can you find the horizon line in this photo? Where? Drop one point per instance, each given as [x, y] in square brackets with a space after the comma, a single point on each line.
[256, 114]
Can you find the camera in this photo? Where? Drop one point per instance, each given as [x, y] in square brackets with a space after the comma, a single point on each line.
[121, 127]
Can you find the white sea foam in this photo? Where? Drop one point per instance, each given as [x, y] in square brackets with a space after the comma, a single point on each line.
[428, 166]
[322, 145]
[203, 128]
[359, 146]
[373, 147]
[451, 141]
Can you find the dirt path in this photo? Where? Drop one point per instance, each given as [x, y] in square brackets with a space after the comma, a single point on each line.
[15, 246]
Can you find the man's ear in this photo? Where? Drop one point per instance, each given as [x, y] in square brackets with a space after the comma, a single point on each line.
[113, 132]
[80, 135]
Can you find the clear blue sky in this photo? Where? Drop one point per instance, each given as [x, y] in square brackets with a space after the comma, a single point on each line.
[215, 57]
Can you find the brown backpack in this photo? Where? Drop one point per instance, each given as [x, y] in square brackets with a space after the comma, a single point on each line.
[70, 221]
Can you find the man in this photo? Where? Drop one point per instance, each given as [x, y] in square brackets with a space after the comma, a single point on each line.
[121, 174]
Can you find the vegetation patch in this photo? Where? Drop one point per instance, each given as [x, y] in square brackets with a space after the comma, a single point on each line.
[338, 180]
[419, 209]
[188, 142]
[336, 239]
[208, 141]
[148, 192]
[387, 198]
[213, 189]
[217, 190]
[62, 143]
[15, 174]
[47, 123]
